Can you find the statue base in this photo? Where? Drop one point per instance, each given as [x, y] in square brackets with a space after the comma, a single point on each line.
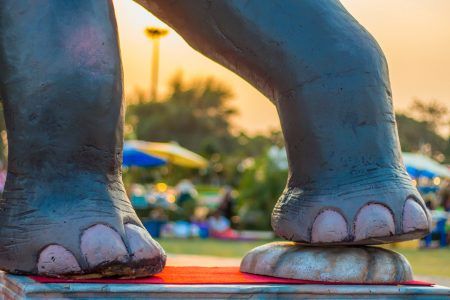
[348, 264]
[23, 287]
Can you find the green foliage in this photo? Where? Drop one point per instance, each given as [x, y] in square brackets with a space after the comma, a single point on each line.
[413, 134]
[184, 211]
[260, 187]
[434, 113]
[195, 115]
[419, 129]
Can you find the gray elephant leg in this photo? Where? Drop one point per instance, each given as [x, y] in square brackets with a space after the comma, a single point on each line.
[329, 80]
[65, 211]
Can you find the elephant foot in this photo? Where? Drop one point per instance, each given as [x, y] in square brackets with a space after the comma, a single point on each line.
[377, 210]
[106, 255]
[64, 212]
[76, 228]
[329, 80]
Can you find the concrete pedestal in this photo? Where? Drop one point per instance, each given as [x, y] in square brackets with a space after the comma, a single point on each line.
[21, 287]
[353, 264]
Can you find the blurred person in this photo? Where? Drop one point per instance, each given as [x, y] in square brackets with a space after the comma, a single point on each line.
[158, 214]
[186, 195]
[431, 201]
[158, 218]
[186, 191]
[219, 226]
[227, 203]
[445, 206]
[441, 227]
[429, 204]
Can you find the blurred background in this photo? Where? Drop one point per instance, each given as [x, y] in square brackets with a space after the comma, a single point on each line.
[204, 158]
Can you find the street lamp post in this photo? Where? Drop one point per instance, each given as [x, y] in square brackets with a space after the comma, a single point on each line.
[155, 34]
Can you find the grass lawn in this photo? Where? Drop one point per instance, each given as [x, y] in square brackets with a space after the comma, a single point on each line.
[433, 262]
[210, 247]
[430, 262]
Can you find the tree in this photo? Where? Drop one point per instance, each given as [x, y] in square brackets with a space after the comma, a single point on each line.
[434, 113]
[414, 135]
[261, 185]
[196, 115]
[426, 128]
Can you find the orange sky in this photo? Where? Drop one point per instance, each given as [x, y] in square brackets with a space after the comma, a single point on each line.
[414, 35]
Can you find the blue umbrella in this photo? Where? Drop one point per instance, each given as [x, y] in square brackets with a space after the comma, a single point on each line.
[134, 157]
[415, 173]
[419, 165]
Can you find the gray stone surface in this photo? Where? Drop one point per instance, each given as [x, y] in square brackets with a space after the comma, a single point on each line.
[333, 264]
[20, 287]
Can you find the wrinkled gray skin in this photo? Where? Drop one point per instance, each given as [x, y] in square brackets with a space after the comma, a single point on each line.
[61, 83]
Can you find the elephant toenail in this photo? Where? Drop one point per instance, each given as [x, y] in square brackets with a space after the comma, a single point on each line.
[374, 220]
[414, 217]
[55, 259]
[329, 226]
[101, 244]
[142, 245]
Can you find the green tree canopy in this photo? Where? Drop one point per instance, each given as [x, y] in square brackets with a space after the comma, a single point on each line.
[419, 129]
[196, 115]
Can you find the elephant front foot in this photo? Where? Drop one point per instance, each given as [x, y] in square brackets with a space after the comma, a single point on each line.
[106, 255]
[76, 229]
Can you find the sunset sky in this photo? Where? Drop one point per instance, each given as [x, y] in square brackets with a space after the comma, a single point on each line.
[414, 35]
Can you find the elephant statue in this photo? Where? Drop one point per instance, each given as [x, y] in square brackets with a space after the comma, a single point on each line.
[64, 211]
